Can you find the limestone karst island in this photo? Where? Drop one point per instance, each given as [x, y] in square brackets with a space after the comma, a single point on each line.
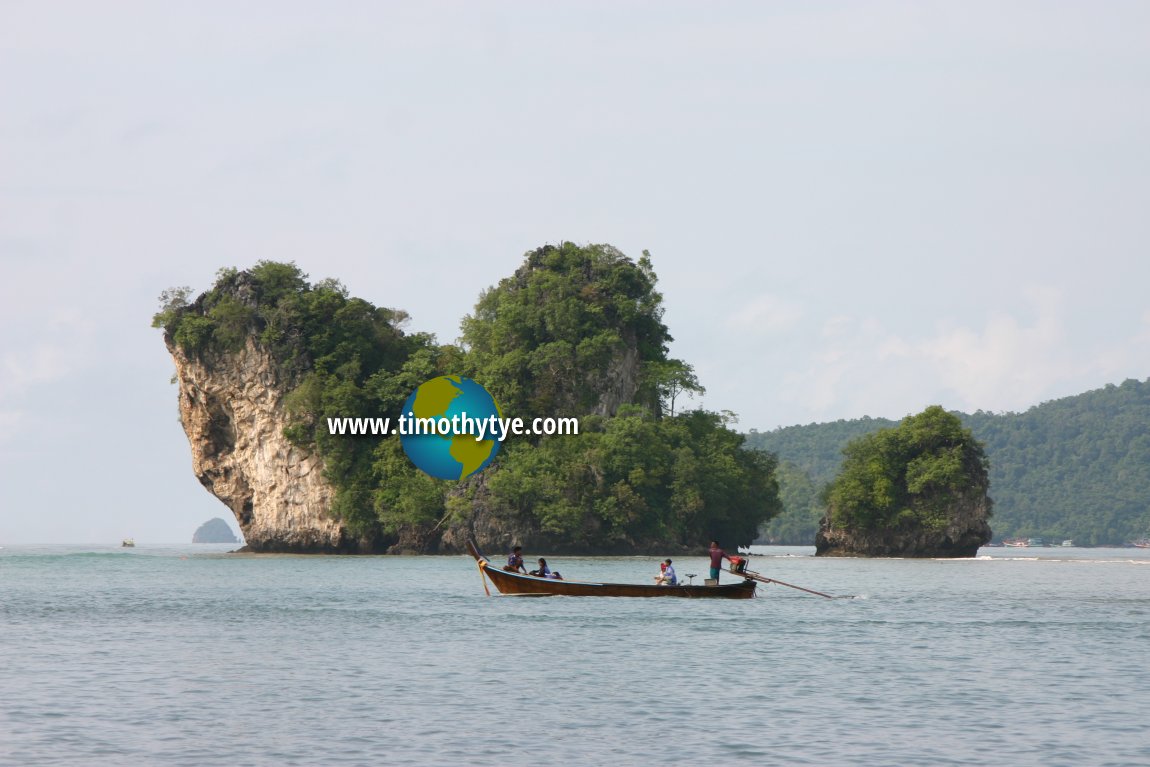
[214, 530]
[264, 357]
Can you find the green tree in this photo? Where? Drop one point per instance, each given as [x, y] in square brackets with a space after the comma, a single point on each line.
[671, 380]
[172, 303]
[570, 324]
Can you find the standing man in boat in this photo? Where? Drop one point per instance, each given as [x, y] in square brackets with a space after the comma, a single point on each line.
[515, 561]
[717, 557]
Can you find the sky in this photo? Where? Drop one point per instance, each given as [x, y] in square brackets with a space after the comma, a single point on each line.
[854, 209]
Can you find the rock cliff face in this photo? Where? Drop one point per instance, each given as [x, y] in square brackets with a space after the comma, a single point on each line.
[231, 410]
[967, 529]
[619, 382]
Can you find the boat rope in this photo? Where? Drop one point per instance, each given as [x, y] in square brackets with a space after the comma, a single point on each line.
[483, 576]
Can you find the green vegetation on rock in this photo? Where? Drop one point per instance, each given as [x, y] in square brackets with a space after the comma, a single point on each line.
[637, 482]
[579, 331]
[575, 331]
[337, 356]
[911, 476]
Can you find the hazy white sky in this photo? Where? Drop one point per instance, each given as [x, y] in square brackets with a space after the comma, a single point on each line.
[854, 208]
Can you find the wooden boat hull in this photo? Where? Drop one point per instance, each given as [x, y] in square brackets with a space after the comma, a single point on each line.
[528, 585]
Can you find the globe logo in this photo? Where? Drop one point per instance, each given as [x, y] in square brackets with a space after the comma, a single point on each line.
[453, 455]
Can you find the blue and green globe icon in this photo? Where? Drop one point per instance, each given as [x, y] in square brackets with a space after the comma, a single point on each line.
[455, 455]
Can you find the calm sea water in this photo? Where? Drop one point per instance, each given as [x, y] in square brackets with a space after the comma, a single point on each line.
[186, 655]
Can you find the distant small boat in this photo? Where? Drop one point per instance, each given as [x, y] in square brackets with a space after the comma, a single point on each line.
[127, 543]
[1068, 543]
[1142, 543]
[1017, 543]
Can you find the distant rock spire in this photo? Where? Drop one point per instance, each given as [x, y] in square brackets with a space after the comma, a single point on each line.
[214, 530]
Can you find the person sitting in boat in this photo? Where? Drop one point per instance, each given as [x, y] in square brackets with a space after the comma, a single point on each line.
[544, 571]
[667, 577]
[515, 561]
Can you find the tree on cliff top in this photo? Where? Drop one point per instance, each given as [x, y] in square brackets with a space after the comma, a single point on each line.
[576, 330]
[305, 327]
[908, 476]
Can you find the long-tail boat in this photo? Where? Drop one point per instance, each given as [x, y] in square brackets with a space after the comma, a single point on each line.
[529, 585]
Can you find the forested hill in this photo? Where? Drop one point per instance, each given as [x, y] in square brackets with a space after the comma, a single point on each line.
[1077, 467]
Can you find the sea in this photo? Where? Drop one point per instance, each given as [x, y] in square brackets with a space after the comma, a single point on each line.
[191, 655]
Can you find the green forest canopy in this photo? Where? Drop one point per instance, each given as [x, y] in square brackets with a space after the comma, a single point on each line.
[1074, 468]
[577, 330]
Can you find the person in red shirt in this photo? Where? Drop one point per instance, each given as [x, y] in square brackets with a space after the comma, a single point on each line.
[717, 557]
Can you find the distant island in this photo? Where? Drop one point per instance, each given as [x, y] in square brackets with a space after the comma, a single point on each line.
[918, 489]
[1076, 468]
[215, 530]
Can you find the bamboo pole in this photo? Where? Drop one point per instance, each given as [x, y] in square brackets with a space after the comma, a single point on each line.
[764, 579]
